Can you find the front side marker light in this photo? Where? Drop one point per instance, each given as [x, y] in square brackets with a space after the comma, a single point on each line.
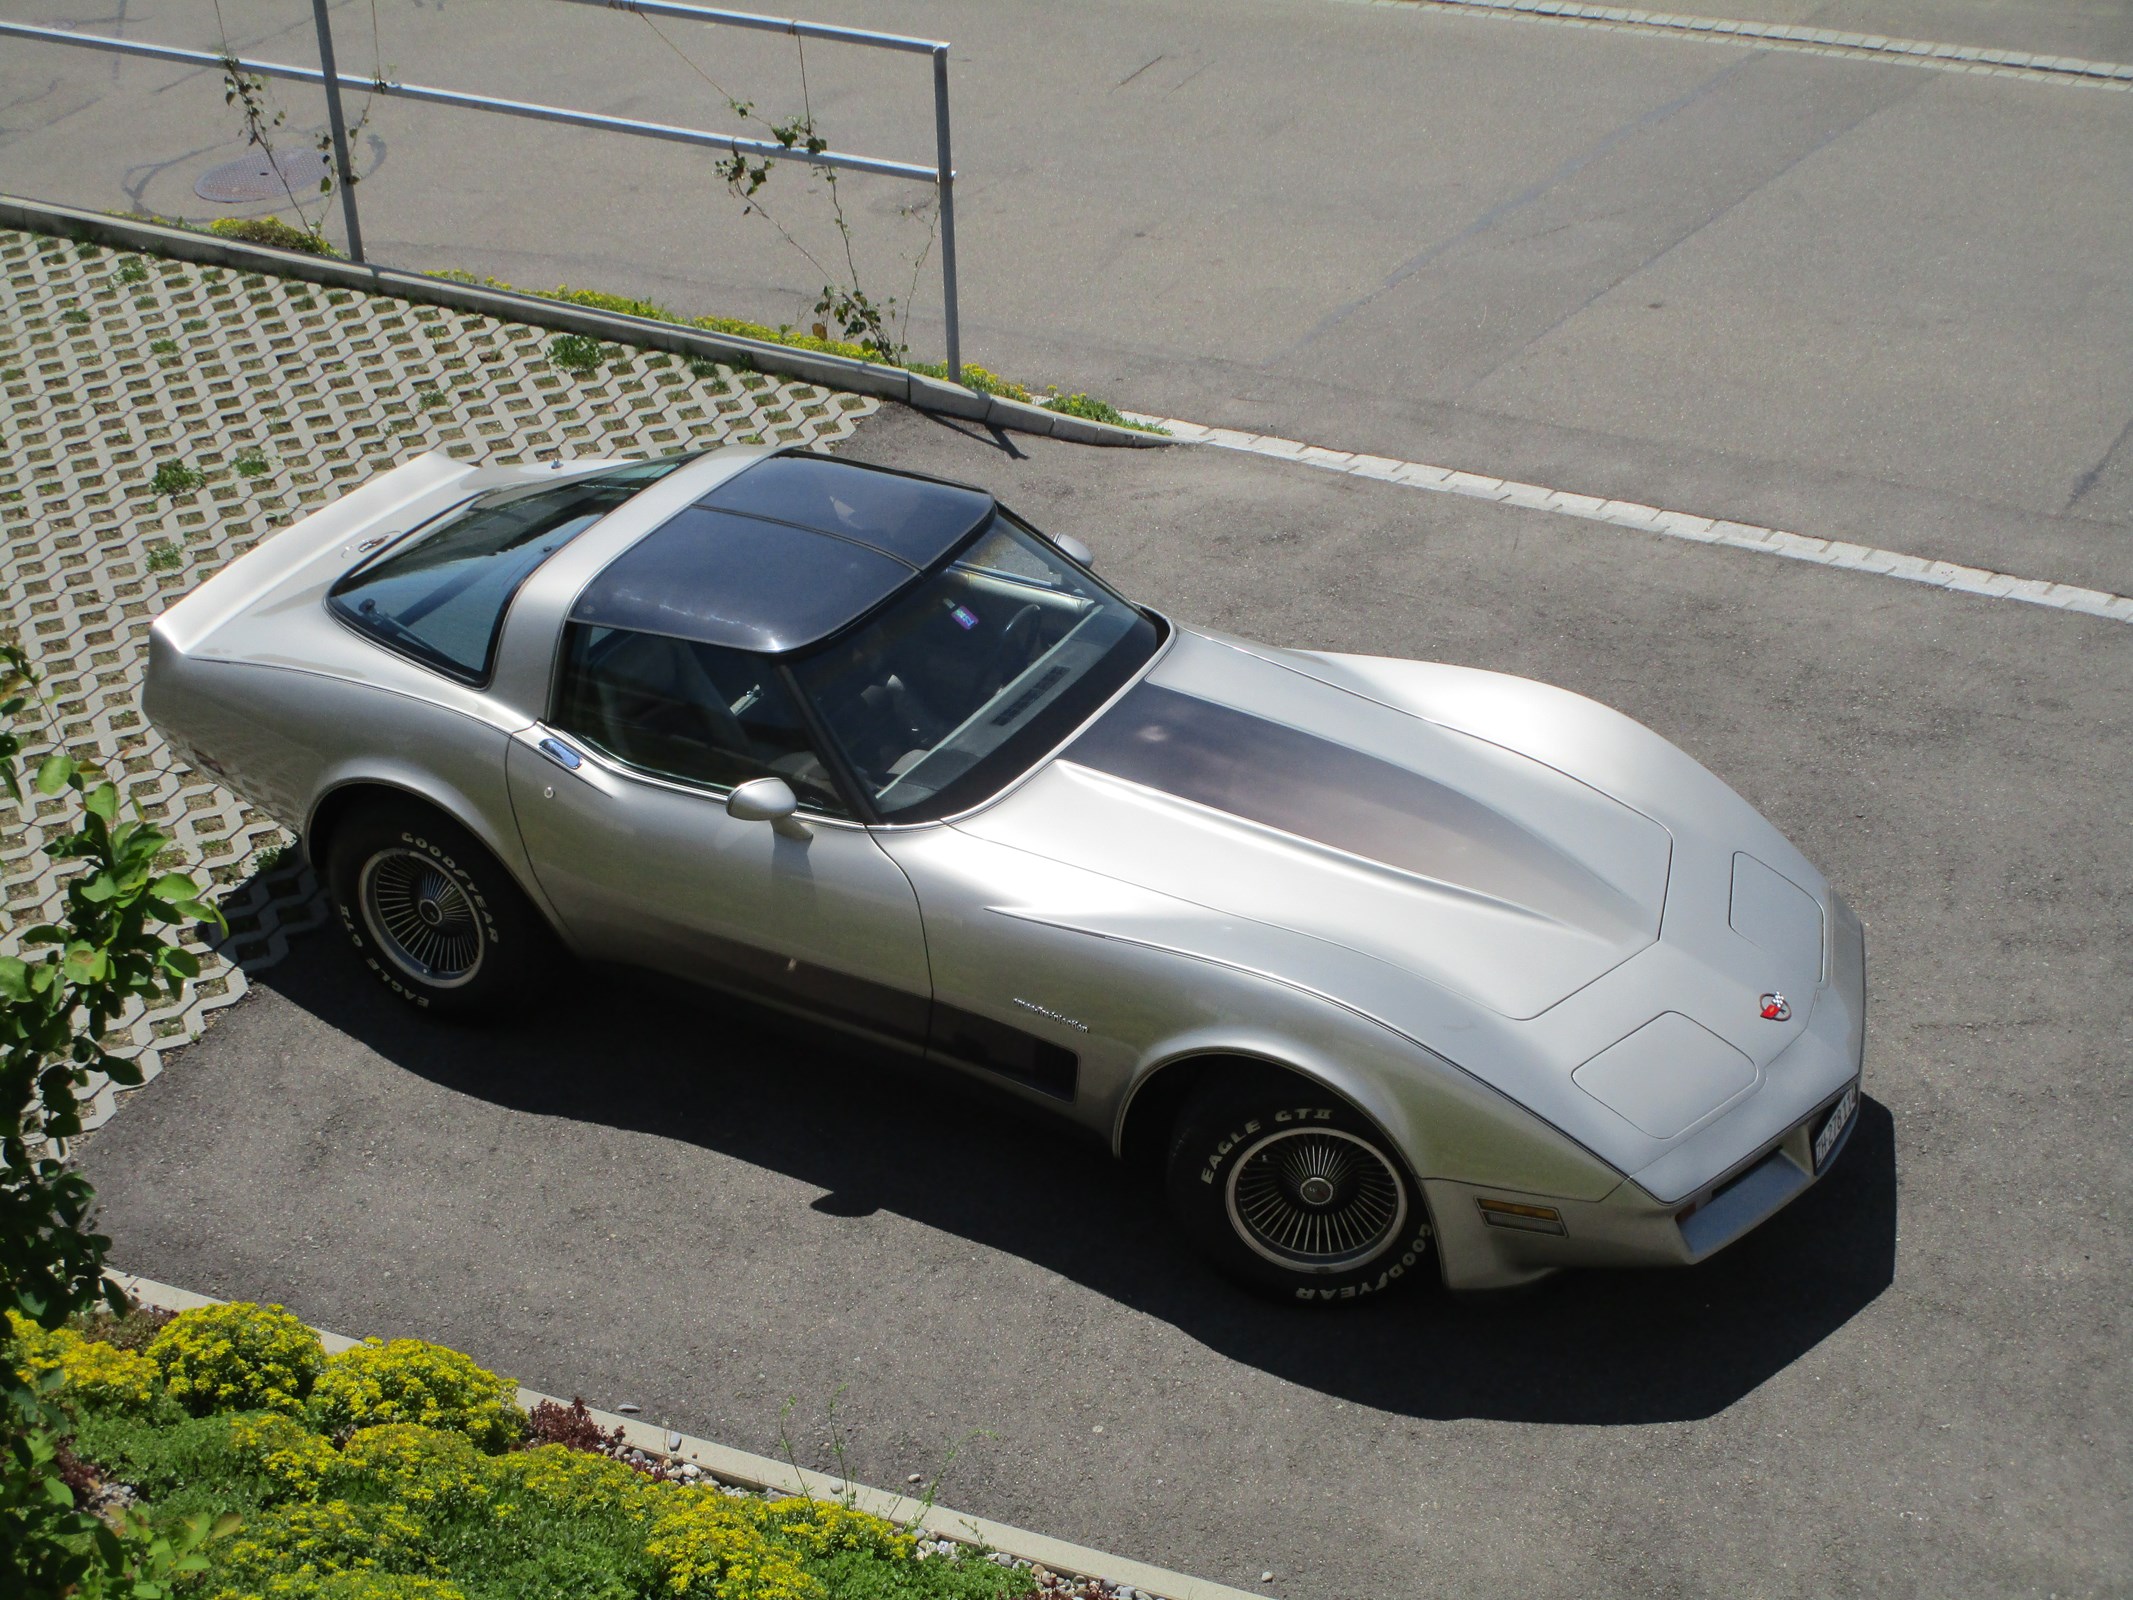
[1528, 1219]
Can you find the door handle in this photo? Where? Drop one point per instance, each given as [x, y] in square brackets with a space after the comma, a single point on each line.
[560, 753]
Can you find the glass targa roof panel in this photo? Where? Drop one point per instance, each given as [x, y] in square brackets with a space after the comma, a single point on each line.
[723, 579]
[914, 519]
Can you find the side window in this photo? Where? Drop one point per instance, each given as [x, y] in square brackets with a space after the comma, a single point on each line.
[691, 712]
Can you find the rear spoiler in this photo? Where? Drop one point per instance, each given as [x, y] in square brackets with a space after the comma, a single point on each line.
[381, 505]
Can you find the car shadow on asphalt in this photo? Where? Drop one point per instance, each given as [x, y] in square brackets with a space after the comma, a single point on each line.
[882, 1132]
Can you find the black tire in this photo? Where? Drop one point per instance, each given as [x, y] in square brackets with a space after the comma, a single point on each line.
[1292, 1193]
[432, 913]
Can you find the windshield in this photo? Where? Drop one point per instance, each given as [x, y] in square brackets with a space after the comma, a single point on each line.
[441, 596]
[973, 673]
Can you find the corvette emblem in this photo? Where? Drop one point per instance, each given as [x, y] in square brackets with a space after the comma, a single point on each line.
[1776, 1008]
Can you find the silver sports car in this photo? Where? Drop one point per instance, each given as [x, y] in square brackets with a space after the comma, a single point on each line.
[1376, 960]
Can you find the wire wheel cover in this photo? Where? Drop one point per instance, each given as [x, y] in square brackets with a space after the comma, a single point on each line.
[422, 918]
[1316, 1198]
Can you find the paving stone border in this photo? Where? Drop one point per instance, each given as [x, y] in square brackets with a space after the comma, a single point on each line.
[279, 394]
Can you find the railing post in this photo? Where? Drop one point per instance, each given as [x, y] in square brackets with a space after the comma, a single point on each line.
[944, 164]
[344, 173]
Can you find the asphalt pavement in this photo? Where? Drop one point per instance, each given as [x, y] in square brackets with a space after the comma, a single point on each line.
[1914, 1382]
[1848, 297]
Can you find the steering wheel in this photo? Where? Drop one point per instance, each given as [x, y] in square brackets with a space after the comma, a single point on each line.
[1014, 650]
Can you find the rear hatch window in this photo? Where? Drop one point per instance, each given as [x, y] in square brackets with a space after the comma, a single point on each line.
[440, 596]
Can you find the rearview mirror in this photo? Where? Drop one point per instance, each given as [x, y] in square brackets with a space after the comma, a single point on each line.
[1074, 550]
[768, 800]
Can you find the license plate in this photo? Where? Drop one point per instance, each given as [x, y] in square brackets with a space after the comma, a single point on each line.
[1831, 1133]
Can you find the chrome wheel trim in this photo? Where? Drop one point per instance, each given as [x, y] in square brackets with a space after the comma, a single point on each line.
[421, 918]
[1363, 1214]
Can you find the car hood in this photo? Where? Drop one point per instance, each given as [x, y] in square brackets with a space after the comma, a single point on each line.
[1241, 785]
[1532, 887]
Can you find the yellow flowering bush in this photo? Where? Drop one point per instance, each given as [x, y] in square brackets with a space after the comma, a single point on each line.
[287, 1454]
[708, 1546]
[395, 1480]
[424, 1469]
[98, 1373]
[289, 1552]
[825, 1527]
[364, 1583]
[237, 1357]
[412, 1380]
[553, 1482]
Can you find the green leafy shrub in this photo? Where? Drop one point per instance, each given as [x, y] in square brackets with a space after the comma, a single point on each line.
[573, 352]
[175, 477]
[238, 1357]
[1080, 405]
[312, 1542]
[406, 1511]
[412, 1380]
[163, 556]
[553, 1482]
[428, 1470]
[828, 1527]
[93, 1372]
[166, 1458]
[288, 1457]
[273, 231]
[708, 1546]
[975, 378]
[362, 1583]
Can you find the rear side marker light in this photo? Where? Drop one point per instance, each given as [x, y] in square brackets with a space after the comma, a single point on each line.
[1528, 1219]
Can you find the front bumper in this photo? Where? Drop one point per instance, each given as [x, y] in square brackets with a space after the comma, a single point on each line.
[1722, 1183]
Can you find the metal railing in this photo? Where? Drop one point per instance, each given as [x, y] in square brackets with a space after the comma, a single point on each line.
[941, 175]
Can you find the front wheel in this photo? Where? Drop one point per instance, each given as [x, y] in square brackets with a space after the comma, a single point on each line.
[432, 913]
[1292, 1193]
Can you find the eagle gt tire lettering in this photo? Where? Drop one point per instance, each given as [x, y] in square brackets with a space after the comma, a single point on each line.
[1293, 1194]
[432, 913]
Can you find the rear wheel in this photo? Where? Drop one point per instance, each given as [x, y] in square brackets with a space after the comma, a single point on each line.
[1292, 1193]
[432, 913]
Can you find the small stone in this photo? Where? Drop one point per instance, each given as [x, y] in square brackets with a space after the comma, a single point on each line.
[1266, 1577]
[673, 1441]
[1099, 1428]
[915, 1478]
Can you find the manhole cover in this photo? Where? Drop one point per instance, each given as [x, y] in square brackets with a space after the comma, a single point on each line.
[254, 177]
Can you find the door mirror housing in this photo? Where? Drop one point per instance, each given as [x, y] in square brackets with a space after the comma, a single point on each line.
[1074, 550]
[768, 800]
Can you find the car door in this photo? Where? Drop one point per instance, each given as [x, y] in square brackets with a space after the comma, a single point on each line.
[621, 803]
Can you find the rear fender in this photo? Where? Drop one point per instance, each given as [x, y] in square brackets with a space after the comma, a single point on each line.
[347, 788]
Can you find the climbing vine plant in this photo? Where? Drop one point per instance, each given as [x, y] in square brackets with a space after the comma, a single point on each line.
[878, 323]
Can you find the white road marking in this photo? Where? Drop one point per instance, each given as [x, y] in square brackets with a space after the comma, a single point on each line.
[1668, 524]
[1798, 37]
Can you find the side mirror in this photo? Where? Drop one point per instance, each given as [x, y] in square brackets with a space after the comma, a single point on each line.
[1074, 550]
[768, 800]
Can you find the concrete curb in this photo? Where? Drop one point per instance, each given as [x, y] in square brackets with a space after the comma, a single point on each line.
[836, 372]
[747, 1471]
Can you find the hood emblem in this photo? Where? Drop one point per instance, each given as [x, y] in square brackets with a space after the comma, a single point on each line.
[1776, 1008]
